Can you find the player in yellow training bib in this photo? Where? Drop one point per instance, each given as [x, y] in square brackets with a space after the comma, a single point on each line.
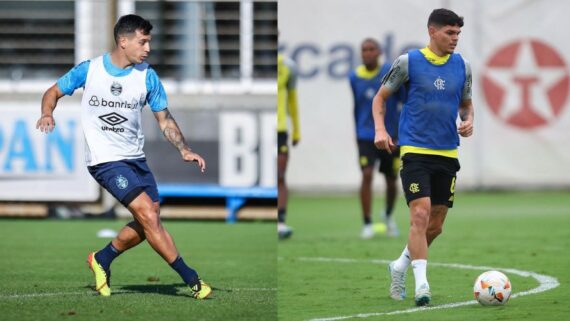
[286, 105]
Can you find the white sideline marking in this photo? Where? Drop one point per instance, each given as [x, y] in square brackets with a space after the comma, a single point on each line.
[254, 289]
[93, 293]
[545, 283]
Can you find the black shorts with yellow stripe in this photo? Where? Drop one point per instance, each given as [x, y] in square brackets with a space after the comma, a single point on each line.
[282, 146]
[430, 176]
[369, 154]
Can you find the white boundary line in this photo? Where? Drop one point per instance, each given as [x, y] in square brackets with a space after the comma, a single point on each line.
[545, 283]
[93, 293]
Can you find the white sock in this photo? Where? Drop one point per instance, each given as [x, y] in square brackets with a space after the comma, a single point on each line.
[402, 263]
[419, 267]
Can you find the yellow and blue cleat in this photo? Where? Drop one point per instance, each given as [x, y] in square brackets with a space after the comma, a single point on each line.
[201, 291]
[101, 277]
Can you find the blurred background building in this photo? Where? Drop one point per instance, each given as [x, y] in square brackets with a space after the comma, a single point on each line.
[217, 61]
[519, 56]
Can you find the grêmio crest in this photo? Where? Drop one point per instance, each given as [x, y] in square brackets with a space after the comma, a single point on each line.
[116, 88]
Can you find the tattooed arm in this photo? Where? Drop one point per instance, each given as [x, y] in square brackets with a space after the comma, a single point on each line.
[466, 112]
[396, 76]
[173, 134]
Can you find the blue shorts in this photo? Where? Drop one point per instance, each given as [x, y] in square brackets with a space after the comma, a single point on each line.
[126, 179]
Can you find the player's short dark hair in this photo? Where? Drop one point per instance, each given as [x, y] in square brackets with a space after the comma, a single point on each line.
[372, 41]
[130, 23]
[444, 17]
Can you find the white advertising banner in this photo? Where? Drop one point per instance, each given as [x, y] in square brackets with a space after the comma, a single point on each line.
[247, 149]
[519, 56]
[35, 166]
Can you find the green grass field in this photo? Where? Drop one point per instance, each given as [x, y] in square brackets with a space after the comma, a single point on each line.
[524, 231]
[43, 274]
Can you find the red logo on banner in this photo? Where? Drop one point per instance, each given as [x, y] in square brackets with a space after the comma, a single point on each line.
[526, 83]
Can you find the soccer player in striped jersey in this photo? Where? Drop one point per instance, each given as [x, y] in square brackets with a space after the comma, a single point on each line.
[438, 83]
[117, 86]
[364, 82]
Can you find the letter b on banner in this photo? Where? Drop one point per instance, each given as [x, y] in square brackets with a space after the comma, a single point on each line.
[247, 149]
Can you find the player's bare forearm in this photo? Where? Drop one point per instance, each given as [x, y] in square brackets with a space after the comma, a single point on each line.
[50, 98]
[46, 123]
[466, 111]
[378, 111]
[171, 131]
[466, 114]
[381, 138]
[379, 108]
[173, 134]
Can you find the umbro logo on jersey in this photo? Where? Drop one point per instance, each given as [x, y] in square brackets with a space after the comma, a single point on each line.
[113, 119]
[116, 88]
[439, 83]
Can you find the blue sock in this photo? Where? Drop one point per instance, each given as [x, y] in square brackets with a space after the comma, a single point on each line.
[187, 274]
[107, 255]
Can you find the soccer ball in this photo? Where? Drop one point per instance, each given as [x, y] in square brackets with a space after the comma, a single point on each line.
[492, 288]
[379, 228]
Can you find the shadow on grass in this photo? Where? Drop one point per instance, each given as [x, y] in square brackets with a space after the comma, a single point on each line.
[178, 289]
[164, 289]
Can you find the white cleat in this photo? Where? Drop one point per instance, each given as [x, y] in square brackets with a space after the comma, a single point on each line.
[392, 228]
[423, 295]
[397, 283]
[284, 231]
[367, 232]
